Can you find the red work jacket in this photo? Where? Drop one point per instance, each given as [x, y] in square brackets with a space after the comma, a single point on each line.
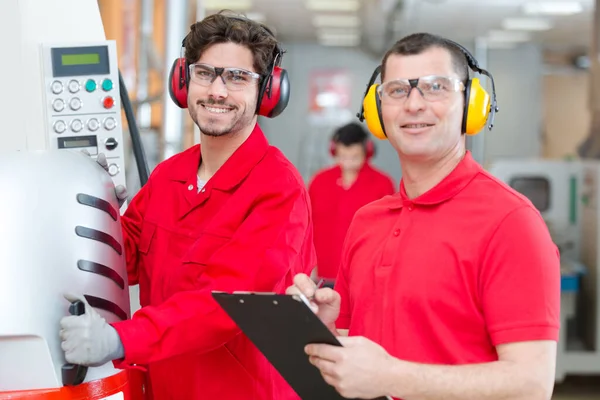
[249, 229]
[334, 207]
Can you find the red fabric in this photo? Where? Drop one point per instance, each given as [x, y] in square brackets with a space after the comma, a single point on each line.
[249, 229]
[448, 276]
[334, 207]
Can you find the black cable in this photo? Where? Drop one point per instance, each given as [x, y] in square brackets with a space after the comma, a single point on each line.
[136, 140]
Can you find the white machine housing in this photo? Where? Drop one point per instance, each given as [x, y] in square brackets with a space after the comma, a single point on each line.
[60, 233]
[567, 193]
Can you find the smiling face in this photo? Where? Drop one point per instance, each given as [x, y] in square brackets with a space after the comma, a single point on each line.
[418, 128]
[216, 110]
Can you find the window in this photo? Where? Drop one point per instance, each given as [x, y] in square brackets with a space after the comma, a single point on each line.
[535, 188]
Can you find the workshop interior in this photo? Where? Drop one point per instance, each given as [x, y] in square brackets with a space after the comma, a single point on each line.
[91, 75]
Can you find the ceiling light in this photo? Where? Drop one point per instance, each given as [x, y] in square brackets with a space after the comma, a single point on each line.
[342, 21]
[227, 4]
[333, 5]
[526, 24]
[508, 36]
[553, 7]
[339, 38]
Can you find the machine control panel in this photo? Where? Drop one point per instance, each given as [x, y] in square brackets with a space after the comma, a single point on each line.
[83, 101]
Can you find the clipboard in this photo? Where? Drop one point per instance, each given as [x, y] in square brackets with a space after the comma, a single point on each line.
[280, 326]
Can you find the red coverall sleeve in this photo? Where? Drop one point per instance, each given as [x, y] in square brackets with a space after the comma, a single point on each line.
[273, 242]
[131, 222]
[520, 280]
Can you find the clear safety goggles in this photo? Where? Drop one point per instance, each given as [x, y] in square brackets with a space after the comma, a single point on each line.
[432, 88]
[233, 78]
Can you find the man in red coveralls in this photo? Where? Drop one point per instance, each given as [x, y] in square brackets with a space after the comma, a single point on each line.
[336, 193]
[451, 288]
[230, 215]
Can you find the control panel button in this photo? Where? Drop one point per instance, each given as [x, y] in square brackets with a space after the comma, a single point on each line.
[107, 85]
[59, 126]
[75, 104]
[76, 125]
[108, 102]
[58, 105]
[74, 86]
[111, 143]
[93, 124]
[56, 87]
[110, 123]
[113, 169]
[90, 85]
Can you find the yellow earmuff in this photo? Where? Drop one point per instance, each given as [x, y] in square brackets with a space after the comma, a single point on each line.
[372, 113]
[477, 108]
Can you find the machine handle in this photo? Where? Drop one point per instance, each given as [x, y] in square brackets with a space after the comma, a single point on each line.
[72, 374]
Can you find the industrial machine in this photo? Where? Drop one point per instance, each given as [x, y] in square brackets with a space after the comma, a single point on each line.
[566, 193]
[61, 221]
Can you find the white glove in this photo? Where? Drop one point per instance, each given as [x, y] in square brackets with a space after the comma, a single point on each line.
[88, 339]
[120, 190]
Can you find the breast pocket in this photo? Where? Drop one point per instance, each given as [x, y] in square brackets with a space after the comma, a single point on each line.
[205, 253]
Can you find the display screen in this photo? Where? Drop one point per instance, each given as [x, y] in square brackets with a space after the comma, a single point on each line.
[80, 59]
[77, 142]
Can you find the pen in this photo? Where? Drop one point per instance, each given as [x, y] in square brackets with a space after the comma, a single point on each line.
[319, 284]
[306, 300]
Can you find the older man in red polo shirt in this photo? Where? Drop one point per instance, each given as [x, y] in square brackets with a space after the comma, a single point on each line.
[337, 192]
[450, 289]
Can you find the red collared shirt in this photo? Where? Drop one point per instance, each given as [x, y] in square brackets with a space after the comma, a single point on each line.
[334, 207]
[248, 229]
[449, 275]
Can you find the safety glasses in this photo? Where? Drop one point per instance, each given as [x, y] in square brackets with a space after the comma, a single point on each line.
[233, 78]
[432, 88]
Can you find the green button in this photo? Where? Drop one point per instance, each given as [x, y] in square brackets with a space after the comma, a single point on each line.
[107, 85]
[90, 85]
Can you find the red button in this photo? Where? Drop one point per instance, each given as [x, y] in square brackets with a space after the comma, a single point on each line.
[397, 232]
[108, 102]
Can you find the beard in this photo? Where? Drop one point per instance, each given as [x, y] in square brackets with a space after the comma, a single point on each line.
[234, 120]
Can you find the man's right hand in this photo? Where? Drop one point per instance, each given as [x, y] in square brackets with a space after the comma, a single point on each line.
[326, 301]
[120, 190]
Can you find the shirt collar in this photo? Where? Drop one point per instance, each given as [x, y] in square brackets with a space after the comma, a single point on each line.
[449, 187]
[241, 162]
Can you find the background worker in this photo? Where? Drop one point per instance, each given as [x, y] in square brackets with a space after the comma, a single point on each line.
[337, 192]
[231, 214]
[451, 288]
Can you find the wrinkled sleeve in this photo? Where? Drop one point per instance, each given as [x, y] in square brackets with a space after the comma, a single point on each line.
[272, 244]
[520, 280]
[131, 222]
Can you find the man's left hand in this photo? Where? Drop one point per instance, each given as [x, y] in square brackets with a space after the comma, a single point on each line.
[356, 370]
[88, 339]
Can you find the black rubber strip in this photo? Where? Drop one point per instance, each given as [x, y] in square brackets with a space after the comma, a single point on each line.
[98, 203]
[99, 236]
[106, 305]
[100, 269]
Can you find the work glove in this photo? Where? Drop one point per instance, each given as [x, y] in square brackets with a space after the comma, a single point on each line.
[88, 339]
[120, 190]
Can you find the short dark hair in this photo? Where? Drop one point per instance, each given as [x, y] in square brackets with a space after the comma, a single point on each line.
[225, 27]
[349, 134]
[418, 43]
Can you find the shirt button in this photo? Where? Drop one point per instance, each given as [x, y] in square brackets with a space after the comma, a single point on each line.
[410, 208]
[190, 187]
[397, 232]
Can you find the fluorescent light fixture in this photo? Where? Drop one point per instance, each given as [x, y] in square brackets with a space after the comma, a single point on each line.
[508, 36]
[338, 21]
[339, 38]
[256, 16]
[227, 4]
[332, 5]
[526, 24]
[552, 7]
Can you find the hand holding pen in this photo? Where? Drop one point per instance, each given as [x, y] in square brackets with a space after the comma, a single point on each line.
[325, 302]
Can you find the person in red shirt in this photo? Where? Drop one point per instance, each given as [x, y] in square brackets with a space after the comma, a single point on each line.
[451, 288]
[336, 193]
[231, 214]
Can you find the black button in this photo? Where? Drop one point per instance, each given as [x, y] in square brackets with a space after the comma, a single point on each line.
[111, 143]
